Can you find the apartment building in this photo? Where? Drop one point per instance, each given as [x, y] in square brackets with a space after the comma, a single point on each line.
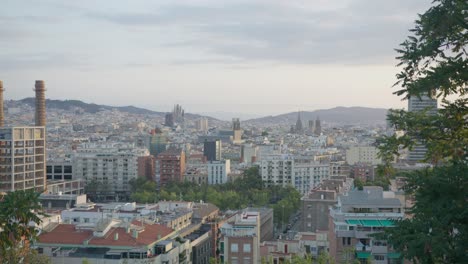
[113, 166]
[218, 171]
[363, 154]
[240, 239]
[357, 215]
[22, 159]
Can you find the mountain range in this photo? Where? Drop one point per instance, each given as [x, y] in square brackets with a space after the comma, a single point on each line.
[338, 114]
[349, 115]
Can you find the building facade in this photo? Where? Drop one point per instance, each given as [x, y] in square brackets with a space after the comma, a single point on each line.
[363, 154]
[356, 216]
[112, 166]
[212, 150]
[218, 171]
[171, 166]
[418, 104]
[22, 159]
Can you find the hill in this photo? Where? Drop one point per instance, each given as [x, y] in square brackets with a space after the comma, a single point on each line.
[347, 115]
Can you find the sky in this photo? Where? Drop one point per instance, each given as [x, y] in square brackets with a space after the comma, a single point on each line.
[243, 57]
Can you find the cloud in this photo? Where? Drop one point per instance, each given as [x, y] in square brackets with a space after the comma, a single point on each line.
[356, 32]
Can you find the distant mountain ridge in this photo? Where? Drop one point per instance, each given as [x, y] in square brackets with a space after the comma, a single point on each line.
[94, 108]
[340, 114]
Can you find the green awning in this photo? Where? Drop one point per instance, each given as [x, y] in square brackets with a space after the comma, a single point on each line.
[363, 255]
[370, 223]
[353, 222]
[394, 255]
[386, 223]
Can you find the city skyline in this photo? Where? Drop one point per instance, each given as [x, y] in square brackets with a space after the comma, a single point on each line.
[204, 54]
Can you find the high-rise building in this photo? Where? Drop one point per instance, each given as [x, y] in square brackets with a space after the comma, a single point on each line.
[202, 124]
[158, 142]
[22, 159]
[169, 120]
[236, 124]
[299, 127]
[418, 104]
[318, 127]
[171, 166]
[312, 126]
[212, 150]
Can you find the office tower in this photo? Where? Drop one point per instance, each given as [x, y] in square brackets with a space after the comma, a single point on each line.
[171, 166]
[212, 149]
[417, 104]
[202, 124]
[236, 124]
[2, 116]
[22, 159]
[40, 103]
[318, 127]
[158, 142]
[299, 128]
[311, 126]
[169, 120]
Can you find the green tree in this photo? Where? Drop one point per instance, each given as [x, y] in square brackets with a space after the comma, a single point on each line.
[17, 210]
[434, 61]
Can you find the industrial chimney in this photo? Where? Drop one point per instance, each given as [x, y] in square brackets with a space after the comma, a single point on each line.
[40, 103]
[2, 115]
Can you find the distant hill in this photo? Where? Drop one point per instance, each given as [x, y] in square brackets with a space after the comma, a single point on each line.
[337, 115]
[94, 108]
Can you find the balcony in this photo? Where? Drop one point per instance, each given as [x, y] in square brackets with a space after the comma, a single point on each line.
[379, 250]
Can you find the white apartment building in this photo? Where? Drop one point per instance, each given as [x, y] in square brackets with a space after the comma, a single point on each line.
[22, 159]
[300, 172]
[309, 174]
[112, 165]
[363, 154]
[218, 171]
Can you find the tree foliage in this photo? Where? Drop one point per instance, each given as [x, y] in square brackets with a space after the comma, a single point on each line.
[17, 210]
[434, 62]
[243, 192]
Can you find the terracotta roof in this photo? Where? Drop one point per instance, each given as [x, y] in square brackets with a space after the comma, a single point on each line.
[68, 234]
[65, 234]
[147, 236]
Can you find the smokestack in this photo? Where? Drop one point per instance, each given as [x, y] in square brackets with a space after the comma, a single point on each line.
[2, 116]
[40, 103]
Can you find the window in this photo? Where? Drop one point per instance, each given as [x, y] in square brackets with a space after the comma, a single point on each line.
[247, 260]
[379, 257]
[234, 260]
[234, 247]
[246, 248]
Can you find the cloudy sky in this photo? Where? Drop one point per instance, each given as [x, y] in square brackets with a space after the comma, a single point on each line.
[244, 56]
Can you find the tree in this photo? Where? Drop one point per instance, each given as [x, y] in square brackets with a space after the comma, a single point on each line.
[434, 61]
[17, 210]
